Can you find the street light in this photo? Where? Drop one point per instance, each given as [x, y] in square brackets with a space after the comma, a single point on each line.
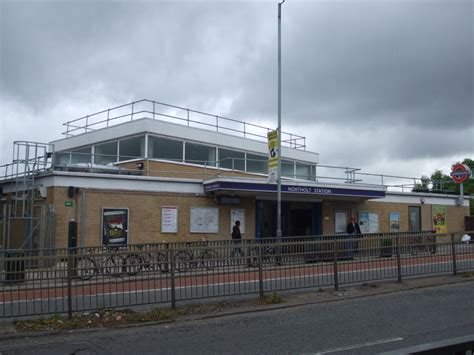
[278, 232]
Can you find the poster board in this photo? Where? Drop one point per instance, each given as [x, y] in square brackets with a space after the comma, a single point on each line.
[440, 220]
[394, 220]
[169, 219]
[237, 214]
[204, 220]
[341, 221]
[368, 222]
[114, 226]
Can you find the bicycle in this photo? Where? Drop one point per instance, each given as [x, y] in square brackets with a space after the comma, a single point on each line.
[150, 259]
[108, 262]
[268, 255]
[186, 259]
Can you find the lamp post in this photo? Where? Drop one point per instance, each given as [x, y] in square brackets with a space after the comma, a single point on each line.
[278, 232]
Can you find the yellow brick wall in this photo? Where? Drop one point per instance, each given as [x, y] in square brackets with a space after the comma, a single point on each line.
[144, 215]
[164, 169]
[455, 215]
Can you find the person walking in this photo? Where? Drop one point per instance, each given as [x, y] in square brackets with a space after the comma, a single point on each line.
[237, 239]
[353, 230]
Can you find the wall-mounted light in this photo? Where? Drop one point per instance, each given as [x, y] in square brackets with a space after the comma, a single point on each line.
[139, 165]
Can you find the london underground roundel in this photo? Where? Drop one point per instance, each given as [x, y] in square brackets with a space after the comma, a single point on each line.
[460, 173]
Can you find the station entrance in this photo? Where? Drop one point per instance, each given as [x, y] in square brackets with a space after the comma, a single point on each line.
[297, 219]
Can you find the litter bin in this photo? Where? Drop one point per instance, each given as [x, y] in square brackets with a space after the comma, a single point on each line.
[14, 266]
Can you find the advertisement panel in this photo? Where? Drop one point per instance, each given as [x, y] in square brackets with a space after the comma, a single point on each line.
[114, 226]
[273, 156]
[394, 222]
[440, 222]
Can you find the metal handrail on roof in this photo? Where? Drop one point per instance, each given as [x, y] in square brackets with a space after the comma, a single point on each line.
[154, 109]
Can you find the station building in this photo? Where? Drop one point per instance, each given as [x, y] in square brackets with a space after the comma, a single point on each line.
[146, 172]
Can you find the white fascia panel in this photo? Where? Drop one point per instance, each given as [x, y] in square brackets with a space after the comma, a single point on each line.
[111, 182]
[415, 199]
[172, 130]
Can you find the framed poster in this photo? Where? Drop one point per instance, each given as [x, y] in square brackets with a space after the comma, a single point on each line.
[440, 221]
[341, 221]
[237, 214]
[204, 220]
[364, 222]
[114, 226]
[169, 219]
[368, 222]
[394, 220]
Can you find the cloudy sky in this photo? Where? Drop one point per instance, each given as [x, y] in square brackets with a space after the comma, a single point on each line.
[384, 85]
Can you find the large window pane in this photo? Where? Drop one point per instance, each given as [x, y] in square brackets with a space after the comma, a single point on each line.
[287, 168]
[200, 154]
[82, 155]
[105, 153]
[231, 159]
[132, 148]
[62, 159]
[303, 171]
[163, 148]
[257, 164]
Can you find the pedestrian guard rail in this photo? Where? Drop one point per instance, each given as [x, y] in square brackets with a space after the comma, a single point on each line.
[48, 281]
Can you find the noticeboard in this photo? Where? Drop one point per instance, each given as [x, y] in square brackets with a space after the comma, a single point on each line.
[169, 219]
[204, 220]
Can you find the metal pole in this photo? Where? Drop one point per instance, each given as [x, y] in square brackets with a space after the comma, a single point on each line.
[278, 232]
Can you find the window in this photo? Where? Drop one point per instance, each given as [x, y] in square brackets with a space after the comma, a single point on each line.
[200, 154]
[105, 153]
[132, 148]
[163, 148]
[287, 168]
[82, 155]
[62, 159]
[257, 164]
[231, 159]
[303, 171]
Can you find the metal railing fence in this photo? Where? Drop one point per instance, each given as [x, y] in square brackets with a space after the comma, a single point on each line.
[145, 108]
[49, 281]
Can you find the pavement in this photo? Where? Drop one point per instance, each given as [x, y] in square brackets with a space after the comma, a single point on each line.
[246, 304]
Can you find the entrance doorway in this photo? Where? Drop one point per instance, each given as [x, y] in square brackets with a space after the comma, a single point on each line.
[297, 219]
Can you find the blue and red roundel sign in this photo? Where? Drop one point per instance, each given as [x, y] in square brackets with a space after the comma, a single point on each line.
[460, 173]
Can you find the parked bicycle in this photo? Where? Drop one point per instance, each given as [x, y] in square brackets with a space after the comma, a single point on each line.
[107, 262]
[269, 255]
[194, 258]
[145, 259]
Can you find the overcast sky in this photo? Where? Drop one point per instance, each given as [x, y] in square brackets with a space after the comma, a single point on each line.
[386, 86]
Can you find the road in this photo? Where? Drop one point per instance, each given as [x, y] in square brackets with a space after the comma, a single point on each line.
[359, 326]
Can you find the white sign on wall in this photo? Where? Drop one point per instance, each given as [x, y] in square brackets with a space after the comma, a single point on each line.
[341, 221]
[237, 214]
[204, 220]
[169, 219]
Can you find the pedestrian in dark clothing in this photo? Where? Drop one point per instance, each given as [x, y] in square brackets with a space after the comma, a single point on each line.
[237, 239]
[353, 230]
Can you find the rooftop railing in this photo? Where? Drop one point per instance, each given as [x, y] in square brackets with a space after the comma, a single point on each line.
[170, 113]
[210, 169]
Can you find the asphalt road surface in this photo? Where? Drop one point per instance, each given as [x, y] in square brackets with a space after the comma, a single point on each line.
[360, 326]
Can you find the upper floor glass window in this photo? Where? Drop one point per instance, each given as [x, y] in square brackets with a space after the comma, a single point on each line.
[132, 148]
[287, 168]
[231, 159]
[163, 148]
[257, 164]
[303, 171]
[62, 159]
[81, 155]
[200, 154]
[105, 153]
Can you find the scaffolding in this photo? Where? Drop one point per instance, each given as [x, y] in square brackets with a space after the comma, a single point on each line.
[24, 216]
